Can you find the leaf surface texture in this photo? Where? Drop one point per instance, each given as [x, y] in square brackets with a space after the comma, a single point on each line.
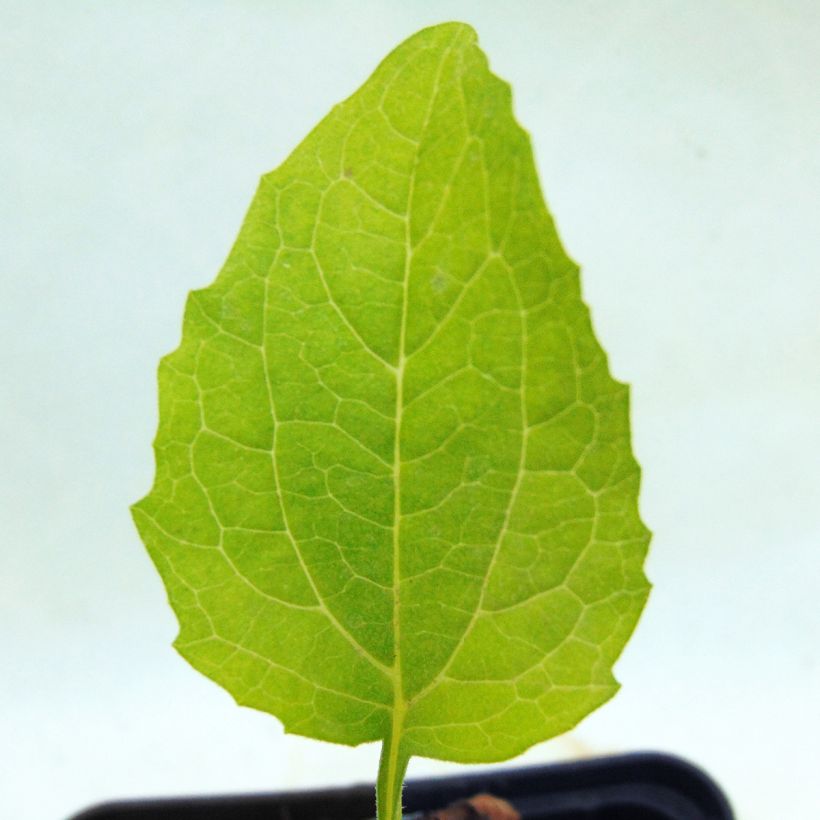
[395, 495]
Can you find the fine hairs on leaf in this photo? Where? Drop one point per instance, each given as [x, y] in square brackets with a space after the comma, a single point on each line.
[395, 498]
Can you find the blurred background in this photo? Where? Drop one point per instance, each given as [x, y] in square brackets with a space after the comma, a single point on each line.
[678, 148]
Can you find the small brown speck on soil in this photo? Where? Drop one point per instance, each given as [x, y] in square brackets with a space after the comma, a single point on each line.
[480, 807]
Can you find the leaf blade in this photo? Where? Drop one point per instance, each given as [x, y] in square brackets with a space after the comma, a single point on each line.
[395, 494]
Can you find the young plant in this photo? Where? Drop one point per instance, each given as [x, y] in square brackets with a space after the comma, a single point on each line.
[395, 498]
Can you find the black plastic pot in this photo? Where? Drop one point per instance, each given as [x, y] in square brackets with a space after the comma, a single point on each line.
[628, 787]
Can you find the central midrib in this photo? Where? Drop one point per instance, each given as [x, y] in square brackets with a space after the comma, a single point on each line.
[399, 702]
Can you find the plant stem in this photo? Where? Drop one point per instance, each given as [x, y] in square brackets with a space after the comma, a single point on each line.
[392, 768]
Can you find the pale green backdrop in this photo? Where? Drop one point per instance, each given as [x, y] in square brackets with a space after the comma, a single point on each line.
[677, 143]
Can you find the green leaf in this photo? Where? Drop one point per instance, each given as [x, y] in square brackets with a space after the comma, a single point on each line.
[395, 497]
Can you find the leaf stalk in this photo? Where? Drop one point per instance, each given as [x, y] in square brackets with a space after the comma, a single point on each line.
[392, 769]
